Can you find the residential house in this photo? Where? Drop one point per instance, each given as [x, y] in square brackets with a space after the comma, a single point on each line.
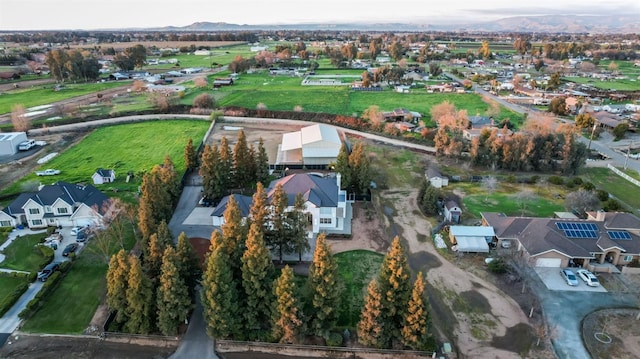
[59, 204]
[601, 243]
[313, 146]
[326, 204]
[401, 115]
[102, 176]
[452, 211]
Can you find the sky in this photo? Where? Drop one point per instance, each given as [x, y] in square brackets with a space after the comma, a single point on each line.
[115, 14]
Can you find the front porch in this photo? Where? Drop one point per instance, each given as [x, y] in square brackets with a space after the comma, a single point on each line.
[606, 267]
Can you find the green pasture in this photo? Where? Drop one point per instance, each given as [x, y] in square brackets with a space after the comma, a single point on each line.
[623, 190]
[631, 84]
[356, 268]
[43, 95]
[509, 204]
[22, 255]
[133, 147]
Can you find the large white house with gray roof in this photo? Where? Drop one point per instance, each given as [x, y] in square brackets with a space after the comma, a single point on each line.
[326, 204]
[59, 204]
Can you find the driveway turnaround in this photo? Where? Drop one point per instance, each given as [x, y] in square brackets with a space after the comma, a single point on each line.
[554, 281]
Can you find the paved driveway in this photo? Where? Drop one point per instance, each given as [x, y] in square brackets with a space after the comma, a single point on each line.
[554, 281]
[564, 310]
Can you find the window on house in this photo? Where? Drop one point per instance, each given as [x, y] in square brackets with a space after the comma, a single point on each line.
[628, 258]
[5, 224]
[34, 210]
[47, 209]
[63, 210]
[36, 222]
[325, 220]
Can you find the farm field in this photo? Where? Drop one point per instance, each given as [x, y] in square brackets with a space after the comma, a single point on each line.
[617, 186]
[132, 147]
[42, 95]
[620, 85]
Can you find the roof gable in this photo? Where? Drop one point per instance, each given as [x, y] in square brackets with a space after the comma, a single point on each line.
[322, 192]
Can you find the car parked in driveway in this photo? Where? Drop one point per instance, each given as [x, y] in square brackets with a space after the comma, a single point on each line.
[48, 271]
[75, 230]
[71, 248]
[588, 277]
[569, 277]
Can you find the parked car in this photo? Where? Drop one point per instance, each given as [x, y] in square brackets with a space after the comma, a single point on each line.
[48, 271]
[71, 248]
[82, 235]
[569, 277]
[588, 277]
[54, 237]
[48, 172]
[75, 230]
[505, 244]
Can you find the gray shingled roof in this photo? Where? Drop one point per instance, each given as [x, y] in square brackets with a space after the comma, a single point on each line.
[244, 203]
[323, 192]
[15, 207]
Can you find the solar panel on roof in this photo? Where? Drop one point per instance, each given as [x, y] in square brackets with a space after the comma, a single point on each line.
[619, 235]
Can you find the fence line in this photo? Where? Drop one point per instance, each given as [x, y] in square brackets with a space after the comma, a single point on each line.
[624, 175]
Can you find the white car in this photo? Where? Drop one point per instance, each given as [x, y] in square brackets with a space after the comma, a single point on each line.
[588, 277]
[48, 172]
[75, 230]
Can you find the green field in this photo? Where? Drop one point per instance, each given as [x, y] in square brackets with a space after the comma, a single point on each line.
[617, 186]
[43, 95]
[8, 284]
[621, 85]
[21, 254]
[69, 307]
[508, 204]
[356, 269]
[133, 147]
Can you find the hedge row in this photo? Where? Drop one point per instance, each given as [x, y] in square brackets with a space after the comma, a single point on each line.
[35, 303]
[12, 298]
[30, 276]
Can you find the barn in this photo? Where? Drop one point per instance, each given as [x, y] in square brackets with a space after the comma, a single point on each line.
[9, 142]
[313, 146]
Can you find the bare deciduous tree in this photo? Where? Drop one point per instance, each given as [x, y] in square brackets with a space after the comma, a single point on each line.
[582, 201]
[200, 82]
[523, 198]
[490, 184]
[19, 120]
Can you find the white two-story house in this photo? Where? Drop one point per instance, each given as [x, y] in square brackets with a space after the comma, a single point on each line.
[59, 204]
[326, 204]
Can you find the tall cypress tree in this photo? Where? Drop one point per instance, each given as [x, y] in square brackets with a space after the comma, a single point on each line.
[395, 286]
[173, 300]
[262, 163]
[414, 332]
[297, 228]
[242, 162]
[324, 287]
[226, 169]
[153, 258]
[359, 165]
[190, 156]
[164, 234]
[342, 167]
[190, 269]
[257, 270]
[287, 318]
[139, 299]
[209, 171]
[371, 327]
[259, 211]
[170, 181]
[277, 237]
[219, 295]
[233, 236]
[117, 281]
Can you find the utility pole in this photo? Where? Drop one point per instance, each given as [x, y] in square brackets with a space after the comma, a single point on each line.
[593, 131]
[628, 153]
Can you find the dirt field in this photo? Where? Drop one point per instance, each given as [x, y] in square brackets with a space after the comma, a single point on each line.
[620, 327]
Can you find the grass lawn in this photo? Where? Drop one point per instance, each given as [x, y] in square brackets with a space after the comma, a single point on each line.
[133, 147]
[620, 85]
[397, 166]
[509, 204]
[356, 269]
[21, 254]
[9, 284]
[617, 186]
[69, 307]
[42, 95]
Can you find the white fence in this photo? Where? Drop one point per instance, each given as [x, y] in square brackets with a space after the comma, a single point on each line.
[624, 175]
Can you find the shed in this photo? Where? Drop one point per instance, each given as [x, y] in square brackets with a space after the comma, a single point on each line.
[452, 211]
[471, 238]
[436, 179]
[9, 142]
[102, 176]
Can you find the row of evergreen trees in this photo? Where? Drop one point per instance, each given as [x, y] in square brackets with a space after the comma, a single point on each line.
[223, 170]
[354, 168]
[155, 292]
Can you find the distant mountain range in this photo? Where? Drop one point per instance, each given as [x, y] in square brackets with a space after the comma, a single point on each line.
[548, 24]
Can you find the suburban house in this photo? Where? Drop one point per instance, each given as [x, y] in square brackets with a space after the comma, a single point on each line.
[326, 204]
[452, 211]
[313, 146]
[471, 238]
[601, 243]
[102, 176]
[401, 115]
[59, 204]
[436, 179]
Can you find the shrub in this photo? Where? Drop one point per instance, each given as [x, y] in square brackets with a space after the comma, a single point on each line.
[602, 195]
[534, 179]
[588, 186]
[51, 230]
[203, 101]
[556, 180]
[12, 298]
[577, 181]
[612, 205]
[511, 179]
[334, 339]
[497, 265]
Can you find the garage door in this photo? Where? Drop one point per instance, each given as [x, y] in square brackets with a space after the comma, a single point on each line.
[548, 262]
